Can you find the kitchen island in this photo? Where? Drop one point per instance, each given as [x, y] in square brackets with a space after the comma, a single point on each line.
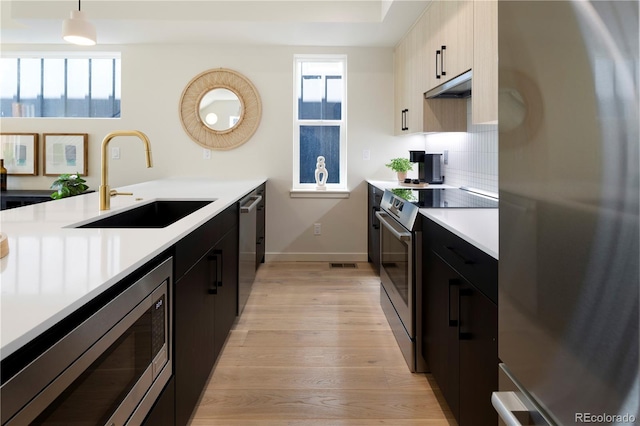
[53, 268]
[133, 302]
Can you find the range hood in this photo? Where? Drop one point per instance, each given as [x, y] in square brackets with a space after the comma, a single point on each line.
[456, 88]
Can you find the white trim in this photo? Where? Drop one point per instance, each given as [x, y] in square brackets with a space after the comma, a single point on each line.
[316, 257]
[342, 186]
[85, 54]
[312, 193]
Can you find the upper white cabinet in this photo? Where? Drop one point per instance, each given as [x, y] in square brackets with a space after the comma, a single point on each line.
[450, 40]
[410, 82]
[484, 86]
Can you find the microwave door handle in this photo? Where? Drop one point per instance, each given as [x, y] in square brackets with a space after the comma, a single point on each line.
[402, 236]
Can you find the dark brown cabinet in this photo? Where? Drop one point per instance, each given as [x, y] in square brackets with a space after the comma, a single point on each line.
[206, 300]
[373, 226]
[460, 323]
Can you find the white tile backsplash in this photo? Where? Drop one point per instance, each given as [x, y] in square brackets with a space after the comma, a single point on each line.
[473, 156]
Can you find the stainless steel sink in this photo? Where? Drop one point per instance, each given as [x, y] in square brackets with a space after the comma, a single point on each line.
[156, 214]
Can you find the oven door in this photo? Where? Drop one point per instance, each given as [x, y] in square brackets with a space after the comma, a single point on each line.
[396, 268]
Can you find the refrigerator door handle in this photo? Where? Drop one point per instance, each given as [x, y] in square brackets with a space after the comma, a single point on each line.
[509, 408]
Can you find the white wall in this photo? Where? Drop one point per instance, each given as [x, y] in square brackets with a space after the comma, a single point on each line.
[473, 156]
[153, 77]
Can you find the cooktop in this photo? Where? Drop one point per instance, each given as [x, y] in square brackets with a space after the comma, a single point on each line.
[438, 198]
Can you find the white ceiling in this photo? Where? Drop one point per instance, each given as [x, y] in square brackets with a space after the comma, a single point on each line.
[262, 22]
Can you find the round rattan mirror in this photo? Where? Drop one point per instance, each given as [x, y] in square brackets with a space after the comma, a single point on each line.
[197, 95]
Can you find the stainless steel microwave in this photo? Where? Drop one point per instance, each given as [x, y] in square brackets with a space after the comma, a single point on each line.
[108, 370]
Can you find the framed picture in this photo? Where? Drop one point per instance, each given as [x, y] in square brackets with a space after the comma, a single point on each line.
[20, 153]
[65, 153]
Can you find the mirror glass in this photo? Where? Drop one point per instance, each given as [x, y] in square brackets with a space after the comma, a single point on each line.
[220, 109]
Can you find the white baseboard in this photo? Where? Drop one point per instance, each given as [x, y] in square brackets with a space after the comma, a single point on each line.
[316, 257]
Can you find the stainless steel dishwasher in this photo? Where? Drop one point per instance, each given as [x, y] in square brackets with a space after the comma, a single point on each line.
[247, 261]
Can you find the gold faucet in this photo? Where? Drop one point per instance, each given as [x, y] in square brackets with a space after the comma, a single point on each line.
[105, 192]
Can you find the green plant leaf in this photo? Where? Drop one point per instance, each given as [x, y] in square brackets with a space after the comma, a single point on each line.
[400, 165]
[67, 185]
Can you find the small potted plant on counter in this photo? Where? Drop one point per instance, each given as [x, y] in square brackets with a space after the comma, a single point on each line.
[401, 166]
[68, 185]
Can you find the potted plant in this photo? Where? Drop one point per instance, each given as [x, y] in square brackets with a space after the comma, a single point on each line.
[68, 185]
[401, 166]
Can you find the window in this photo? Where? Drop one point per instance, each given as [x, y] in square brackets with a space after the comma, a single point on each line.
[320, 122]
[60, 86]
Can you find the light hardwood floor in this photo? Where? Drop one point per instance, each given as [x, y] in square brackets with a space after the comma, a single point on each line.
[313, 347]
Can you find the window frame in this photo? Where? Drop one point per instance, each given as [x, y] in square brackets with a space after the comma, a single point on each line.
[115, 99]
[341, 186]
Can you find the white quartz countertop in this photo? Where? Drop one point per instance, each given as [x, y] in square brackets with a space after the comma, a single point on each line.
[478, 227]
[52, 269]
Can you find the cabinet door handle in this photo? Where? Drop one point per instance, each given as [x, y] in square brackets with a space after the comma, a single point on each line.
[442, 71]
[462, 293]
[437, 54]
[213, 261]
[453, 283]
[219, 268]
[404, 119]
[460, 256]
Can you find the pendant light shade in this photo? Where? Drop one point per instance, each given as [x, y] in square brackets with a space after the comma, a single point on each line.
[77, 30]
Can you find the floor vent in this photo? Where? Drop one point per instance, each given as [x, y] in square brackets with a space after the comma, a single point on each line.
[344, 265]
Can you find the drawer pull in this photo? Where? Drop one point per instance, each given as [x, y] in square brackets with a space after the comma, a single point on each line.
[460, 256]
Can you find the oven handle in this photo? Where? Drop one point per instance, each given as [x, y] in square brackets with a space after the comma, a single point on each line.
[401, 235]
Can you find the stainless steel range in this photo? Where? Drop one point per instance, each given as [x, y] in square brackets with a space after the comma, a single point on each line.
[401, 256]
[400, 253]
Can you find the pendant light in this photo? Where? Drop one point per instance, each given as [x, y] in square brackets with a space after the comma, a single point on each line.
[78, 30]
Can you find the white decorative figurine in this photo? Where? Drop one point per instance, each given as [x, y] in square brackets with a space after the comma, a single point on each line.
[321, 174]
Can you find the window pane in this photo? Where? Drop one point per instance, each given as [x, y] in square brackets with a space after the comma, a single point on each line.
[78, 78]
[29, 93]
[101, 78]
[102, 101]
[321, 91]
[8, 78]
[333, 102]
[77, 87]
[29, 78]
[53, 78]
[8, 84]
[53, 88]
[316, 141]
[310, 106]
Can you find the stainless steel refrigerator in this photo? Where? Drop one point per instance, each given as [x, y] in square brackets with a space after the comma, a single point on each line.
[569, 204]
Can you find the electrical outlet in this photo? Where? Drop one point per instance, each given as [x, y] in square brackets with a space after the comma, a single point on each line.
[366, 154]
[446, 156]
[115, 153]
[206, 154]
[317, 229]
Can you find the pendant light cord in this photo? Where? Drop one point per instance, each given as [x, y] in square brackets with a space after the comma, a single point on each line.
[79, 6]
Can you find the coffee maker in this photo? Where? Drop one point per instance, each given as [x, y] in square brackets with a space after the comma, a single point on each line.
[429, 166]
